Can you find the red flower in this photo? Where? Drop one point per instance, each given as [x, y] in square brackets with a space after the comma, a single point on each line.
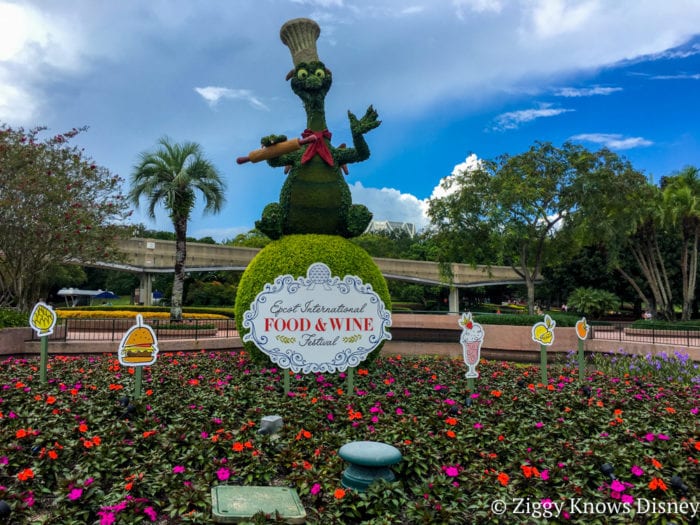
[25, 474]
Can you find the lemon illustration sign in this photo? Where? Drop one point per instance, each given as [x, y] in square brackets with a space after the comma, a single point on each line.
[543, 332]
[139, 346]
[42, 319]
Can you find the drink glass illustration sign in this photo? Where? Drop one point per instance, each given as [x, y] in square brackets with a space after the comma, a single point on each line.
[471, 340]
[317, 323]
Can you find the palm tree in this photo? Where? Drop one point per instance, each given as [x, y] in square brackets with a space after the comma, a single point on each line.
[682, 207]
[169, 176]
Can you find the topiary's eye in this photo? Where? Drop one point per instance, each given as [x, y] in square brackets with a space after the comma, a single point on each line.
[320, 73]
[302, 74]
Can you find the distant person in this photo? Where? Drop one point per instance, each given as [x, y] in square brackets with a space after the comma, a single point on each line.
[564, 308]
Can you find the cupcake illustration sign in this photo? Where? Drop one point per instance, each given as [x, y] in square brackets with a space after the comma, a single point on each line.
[317, 323]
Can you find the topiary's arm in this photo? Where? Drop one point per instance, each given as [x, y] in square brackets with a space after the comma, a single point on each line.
[358, 127]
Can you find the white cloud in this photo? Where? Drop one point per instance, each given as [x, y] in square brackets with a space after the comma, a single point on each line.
[212, 94]
[613, 140]
[586, 92]
[681, 76]
[389, 204]
[556, 17]
[477, 6]
[513, 119]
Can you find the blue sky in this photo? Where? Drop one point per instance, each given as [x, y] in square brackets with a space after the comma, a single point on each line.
[452, 80]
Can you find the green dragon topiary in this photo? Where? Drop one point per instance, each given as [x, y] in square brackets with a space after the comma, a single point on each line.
[315, 197]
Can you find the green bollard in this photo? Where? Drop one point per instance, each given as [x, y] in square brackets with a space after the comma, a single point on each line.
[470, 384]
[44, 358]
[581, 363]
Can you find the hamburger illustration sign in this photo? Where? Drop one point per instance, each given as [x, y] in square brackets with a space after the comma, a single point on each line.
[139, 346]
[317, 323]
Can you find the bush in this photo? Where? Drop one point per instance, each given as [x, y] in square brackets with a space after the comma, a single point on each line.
[10, 318]
[592, 302]
[293, 254]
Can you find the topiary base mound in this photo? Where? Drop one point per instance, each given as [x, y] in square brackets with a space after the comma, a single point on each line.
[293, 254]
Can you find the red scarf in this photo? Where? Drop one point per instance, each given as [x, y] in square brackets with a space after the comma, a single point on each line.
[318, 146]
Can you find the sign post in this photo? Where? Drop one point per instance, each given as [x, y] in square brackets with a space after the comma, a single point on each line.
[317, 323]
[543, 333]
[138, 348]
[43, 320]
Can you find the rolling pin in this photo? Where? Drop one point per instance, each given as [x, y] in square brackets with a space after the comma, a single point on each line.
[270, 152]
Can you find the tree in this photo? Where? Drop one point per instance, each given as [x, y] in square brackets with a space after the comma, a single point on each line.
[592, 302]
[622, 210]
[171, 175]
[681, 199]
[512, 206]
[56, 206]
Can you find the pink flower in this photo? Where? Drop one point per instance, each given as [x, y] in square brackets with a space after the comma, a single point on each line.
[106, 518]
[626, 498]
[151, 513]
[75, 494]
[478, 426]
[662, 437]
[451, 471]
[178, 469]
[223, 474]
[539, 424]
[544, 475]
[649, 437]
[399, 411]
[617, 486]
[315, 489]
[637, 471]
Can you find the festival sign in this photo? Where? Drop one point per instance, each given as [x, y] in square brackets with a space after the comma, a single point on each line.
[471, 340]
[42, 319]
[139, 346]
[317, 323]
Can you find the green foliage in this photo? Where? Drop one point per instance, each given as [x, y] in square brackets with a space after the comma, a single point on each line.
[10, 318]
[293, 254]
[56, 205]
[210, 294]
[562, 320]
[592, 302]
[250, 239]
[655, 324]
[145, 309]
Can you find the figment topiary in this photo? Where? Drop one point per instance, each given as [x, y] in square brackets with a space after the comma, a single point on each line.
[315, 197]
[292, 255]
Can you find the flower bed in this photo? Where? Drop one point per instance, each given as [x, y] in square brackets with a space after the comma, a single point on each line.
[80, 451]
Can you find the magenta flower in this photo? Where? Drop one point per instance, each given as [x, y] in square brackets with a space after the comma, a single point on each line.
[539, 424]
[399, 411]
[662, 437]
[106, 517]
[627, 498]
[544, 475]
[75, 494]
[151, 513]
[478, 426]
[649, 437]
[223, 474]
[315, 489]
[616, 486]
[637, 471]
[451, 471]
[178, 469]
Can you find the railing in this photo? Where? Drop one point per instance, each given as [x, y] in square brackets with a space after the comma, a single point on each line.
[626, 332]
[114, 329]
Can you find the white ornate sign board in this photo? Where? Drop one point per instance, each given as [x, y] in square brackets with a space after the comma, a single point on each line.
[317, 323]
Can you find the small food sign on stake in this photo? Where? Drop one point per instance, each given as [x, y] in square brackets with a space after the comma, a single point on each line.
[582, 329]
[138, 348]
[543, 333]
[43, 320]
[471, 340]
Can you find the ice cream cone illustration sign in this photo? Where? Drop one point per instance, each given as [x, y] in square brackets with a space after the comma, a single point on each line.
[42, 319]
[139, 346]
[471, 339]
